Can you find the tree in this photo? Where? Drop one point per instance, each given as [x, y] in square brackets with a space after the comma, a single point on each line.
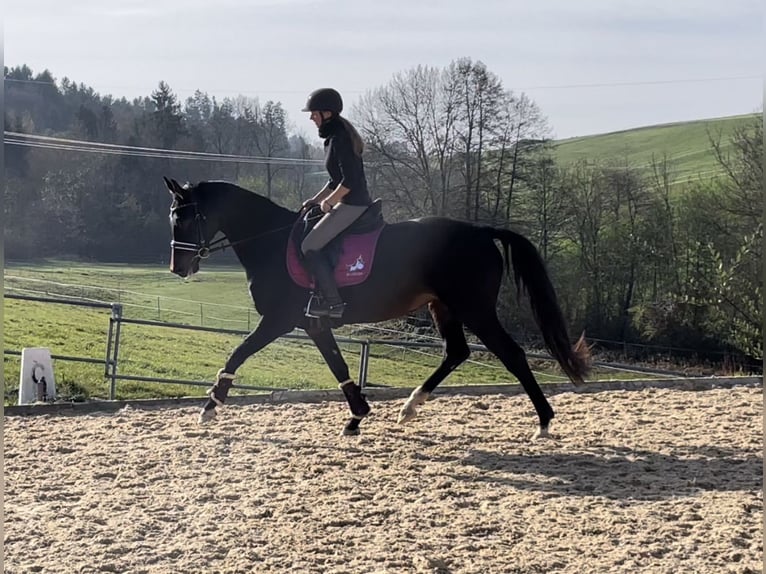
[270, 137]
[737, 251]
[166, 118]
[544, 208]
[442, 141]
[198, 110]
[588, 222]
[479, 95]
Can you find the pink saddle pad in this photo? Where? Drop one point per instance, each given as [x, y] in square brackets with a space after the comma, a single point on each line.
[354, 264]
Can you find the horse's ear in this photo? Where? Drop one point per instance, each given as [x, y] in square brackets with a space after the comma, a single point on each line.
[172, 186]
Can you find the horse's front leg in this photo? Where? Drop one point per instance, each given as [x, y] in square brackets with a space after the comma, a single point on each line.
[270, 328]
[357, 403]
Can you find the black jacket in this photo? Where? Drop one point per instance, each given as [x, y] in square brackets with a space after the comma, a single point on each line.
[343, 165]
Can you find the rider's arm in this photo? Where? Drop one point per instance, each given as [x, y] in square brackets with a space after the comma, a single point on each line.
[320, 195]
[340, 192]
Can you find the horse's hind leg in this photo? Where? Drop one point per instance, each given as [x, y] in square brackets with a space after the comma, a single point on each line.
[455, 352]
[487, 327]
[357, 403]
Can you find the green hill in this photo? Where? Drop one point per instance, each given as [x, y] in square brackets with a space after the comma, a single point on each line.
[686, 144]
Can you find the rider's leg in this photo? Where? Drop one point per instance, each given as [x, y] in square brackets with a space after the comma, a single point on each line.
[332, 224]
[331, 304]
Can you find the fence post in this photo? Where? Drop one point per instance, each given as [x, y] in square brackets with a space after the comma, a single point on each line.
[364, 358]
[117, 318]
[108, 360]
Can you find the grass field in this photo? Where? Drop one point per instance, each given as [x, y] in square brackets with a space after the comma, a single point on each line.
[216, 297]
[686, 144]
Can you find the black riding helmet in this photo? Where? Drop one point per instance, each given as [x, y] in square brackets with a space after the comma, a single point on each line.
[324, 100]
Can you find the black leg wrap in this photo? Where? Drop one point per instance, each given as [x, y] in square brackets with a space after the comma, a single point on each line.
[357, 402]
[209, 405]
[220, 390]
[352, 427]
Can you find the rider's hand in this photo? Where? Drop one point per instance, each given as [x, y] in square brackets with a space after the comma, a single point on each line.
[325, 206]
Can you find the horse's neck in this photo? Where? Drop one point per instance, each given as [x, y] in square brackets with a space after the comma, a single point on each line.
[250, 222]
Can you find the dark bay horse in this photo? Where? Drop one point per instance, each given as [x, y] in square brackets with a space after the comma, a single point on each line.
[452, 266]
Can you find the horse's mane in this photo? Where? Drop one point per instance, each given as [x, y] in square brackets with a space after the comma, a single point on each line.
[211, 185]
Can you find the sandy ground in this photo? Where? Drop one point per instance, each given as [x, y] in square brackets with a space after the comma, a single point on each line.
[662, 481]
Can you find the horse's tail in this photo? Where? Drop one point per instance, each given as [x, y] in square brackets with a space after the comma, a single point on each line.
[530, 274]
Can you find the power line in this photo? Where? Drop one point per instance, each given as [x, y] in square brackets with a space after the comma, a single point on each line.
[144, 154]
[520, 88]
[64, 144]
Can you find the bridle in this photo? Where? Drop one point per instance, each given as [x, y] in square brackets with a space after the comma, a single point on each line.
[203, 248]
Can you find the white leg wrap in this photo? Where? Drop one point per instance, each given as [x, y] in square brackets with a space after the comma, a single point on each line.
[224, 375]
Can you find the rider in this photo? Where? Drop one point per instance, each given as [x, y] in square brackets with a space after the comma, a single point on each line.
[343, 199]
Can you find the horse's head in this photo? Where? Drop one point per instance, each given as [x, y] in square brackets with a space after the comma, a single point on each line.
[191, 229]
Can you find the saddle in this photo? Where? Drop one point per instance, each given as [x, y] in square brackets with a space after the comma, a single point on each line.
[351, 253]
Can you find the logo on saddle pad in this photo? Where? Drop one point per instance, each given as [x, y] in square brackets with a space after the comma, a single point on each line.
[357, 266]
[354, 264]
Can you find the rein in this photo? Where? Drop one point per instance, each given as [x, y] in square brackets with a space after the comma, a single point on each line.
[203, 248]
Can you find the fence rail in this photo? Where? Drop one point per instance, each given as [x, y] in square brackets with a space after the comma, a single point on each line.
[116, 320]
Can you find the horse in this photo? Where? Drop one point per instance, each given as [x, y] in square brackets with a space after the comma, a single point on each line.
[452, 266]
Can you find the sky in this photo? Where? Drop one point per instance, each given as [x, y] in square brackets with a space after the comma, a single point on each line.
[592, 66]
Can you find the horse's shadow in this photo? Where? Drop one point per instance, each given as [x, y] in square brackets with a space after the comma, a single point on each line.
[620, 473]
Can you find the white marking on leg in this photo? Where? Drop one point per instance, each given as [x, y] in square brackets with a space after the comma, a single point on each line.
[541, 432]
[206, 415]
[410, 409]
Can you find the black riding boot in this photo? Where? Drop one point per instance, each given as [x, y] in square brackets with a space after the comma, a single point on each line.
[330, 304]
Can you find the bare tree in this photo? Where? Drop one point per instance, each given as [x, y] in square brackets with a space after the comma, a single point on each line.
[589, 205]
[442, 142]
[409, 127]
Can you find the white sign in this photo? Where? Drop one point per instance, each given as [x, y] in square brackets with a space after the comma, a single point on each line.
[36, 381]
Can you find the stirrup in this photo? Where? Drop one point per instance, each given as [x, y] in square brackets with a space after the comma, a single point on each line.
[315, 308]
[336, 311]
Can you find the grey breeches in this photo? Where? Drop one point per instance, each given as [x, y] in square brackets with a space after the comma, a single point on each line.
[337, 220]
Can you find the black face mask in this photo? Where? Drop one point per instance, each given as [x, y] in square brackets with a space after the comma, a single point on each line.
[329, 126]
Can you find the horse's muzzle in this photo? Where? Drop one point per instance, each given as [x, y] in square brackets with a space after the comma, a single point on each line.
[184, 266]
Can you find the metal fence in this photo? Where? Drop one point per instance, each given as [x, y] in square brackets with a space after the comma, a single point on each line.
[110, 361]
[112, 353]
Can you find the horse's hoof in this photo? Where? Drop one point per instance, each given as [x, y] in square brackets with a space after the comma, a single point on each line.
[406, 415]
[542, 432]
[352, 427]
[410, 409]
[206, 416]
